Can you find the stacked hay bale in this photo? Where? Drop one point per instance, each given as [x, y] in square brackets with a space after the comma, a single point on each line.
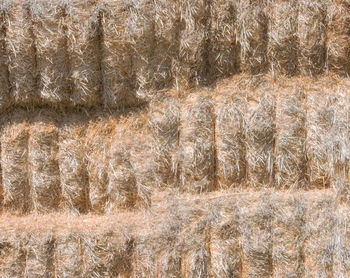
[97, 138]
[224, 55]
[68, 258]
[191, 66]
[14, 156]
[312, 36]
[260, 134]
[338, 37]
[283, 42]
[319, 229]
[83, 42]
[43, 161]
[73, 164]
[12, 254]
[230, 137]
[4, 74]
[288, 235]
[290, 157]
[39, 249]
[196, 140]
[164, 123]
[252, 24]
[51, 52]
[21, 53]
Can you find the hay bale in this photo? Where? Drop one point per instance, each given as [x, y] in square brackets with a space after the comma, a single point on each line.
[83, 42]
[191, 67]
[312, 36]
[97, 137]
[260, 128]
[230, 137]
[73, 164]
[116, 62]
[290, 157]
[21, 53]
[319, 230]
[225, 248]
[283, 41]
[196, 141]
[107, 253]
[4, 73]
[338, 39]
[14, 158]
[51, 51]
[224, 55]
[257, 239]
[43, 162]
[252, 35]
[121, 188]
[39, 250]
[288, 235]
[164, 123]
[68, 255]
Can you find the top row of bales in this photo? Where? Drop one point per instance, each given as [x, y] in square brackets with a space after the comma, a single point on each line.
[117, 53]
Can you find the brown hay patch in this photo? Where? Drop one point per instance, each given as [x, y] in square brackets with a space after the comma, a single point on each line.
[4, 73]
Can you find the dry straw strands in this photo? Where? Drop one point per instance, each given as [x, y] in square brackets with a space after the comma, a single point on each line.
[196, 140]
[230, 137]
[73, 164]
[312, 36]
[14, 153]
[164, 123]
[283, 42]
[4, 74]
[191, 65]
[43, 161]
[260, 134]
[83, 42]
[21, 54]
[51, 49]
[290, 158]
[225, 50]
[252, 35]
[338, 37]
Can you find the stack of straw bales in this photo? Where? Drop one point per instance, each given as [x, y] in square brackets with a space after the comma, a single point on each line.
[14, 154]
[312, 35]
[338, 37]
[196, 142]
[260, 134]
[229, 136]
[290, 158]
[21, 53]
[73, 164]
[191, 65]
[252, 24]
[164, 124]
[4, 74]
[43, 161]
[51, 51]
[283, 41]
[83, 42]
[224, 56]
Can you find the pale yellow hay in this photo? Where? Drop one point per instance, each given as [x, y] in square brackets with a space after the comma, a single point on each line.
[4, 74]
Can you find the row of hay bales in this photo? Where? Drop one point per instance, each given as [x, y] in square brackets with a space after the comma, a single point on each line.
[117, 52]
[73, 161]
[253, 133]
[278, 235]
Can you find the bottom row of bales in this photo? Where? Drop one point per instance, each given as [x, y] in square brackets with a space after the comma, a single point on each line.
[253, 132]
[75, 161]
[260, 236]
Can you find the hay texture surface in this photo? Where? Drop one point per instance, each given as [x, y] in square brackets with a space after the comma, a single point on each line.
[197, 150]
[83, 45]
[43, 162]
[4, 74]
[51, 49]
[14, 154]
